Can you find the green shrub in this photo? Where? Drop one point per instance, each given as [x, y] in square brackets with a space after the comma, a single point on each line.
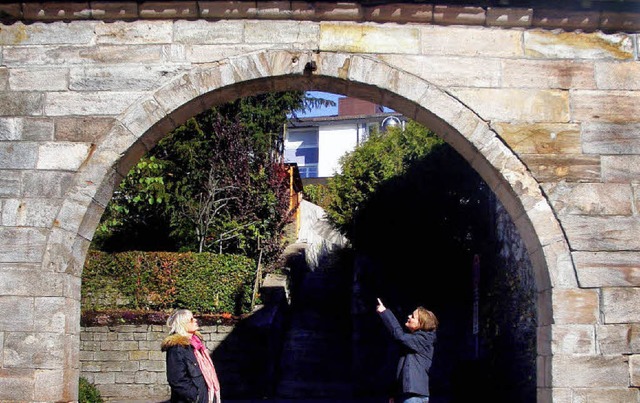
[202, 282]
[88, 393]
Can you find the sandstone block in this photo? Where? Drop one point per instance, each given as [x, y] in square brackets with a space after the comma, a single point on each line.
[590, 198]
[88, 103]
[590, 371]
[608, 269]
[573, 45]
[575, 306]
[104, 378]
[125, 377]
[301, 33]
[111, 355]
[62, 156]
[130, 78]
[634, 367]
[38, 33]
[140, 33]
[450, 70]
[28, 212]
[24, 312]
[35, 350]
[611, 138]
[46, 184]
[17, 385]
[618, 339]
[620, 305]
[10, 183]
[153, 366]
[621, 168]
[48, 383]
[146, 377]
[540, 138]
[621, 106]
[204, 32]
[553, 74]
[52, 79]
[613, 395]
[33, 283]
[84, 55]
[618, 76]
[570, 168]
[469, 41]
[573, 339]
[21, 245]
[517, 105]
[119, 345]
[16, 103]
[602, 233]
[348, 37]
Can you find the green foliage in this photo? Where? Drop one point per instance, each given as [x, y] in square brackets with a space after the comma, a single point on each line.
[203, 282]
[382, 157]
[88, 393]
[318, 194]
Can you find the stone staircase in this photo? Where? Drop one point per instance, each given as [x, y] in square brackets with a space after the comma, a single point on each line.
[316, 356]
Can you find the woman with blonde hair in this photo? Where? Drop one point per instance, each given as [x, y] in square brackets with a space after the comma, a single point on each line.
[412, 376]
[190, 371]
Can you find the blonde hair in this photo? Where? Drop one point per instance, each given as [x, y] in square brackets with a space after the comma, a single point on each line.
[427, 319]
[178, 320]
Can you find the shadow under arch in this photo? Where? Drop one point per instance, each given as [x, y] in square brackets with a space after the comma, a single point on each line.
[146, 121]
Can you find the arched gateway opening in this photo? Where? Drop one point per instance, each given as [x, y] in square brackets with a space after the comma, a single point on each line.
[140, 127]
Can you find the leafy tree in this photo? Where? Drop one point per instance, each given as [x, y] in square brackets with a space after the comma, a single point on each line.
[216, 183]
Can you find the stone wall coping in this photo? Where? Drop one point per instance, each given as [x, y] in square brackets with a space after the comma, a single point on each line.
[435, 14]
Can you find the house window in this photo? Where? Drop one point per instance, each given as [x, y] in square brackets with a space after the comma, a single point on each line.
[301, 147]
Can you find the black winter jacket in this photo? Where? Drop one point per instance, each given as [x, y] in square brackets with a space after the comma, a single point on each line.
[183, 372]
[416, 350]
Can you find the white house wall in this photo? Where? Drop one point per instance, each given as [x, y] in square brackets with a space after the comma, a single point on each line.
[334, 141]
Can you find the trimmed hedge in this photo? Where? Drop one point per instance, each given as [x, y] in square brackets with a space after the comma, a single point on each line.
[201, 282]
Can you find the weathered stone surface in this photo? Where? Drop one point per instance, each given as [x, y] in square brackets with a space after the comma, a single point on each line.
[23, 313]
[21, 245]
[589, 371]
[78, 33]
[621, 106]
[71, 55]
[48, 383]
[10, 183]
[82, 129]
[573, 45]
[468, 41]
[449, 70]
[558, 167]
[301, 33]
[618, 339]
[88, 103]
[62, 156]
[4, 77]
[573, 339]
[365, 38]
[24, 349]
[608, 269]
[28, 212]
[51, 79]
[46, 184]
[610, 138]
[634, 368]
[621, 168]
[26, 129]
[620, 305]
[204, 32]
[17, 384]
[21, 103]
[142, 32]
[602, 233]
[129, 78]
[540, 138]
[516, 105]
[618, 76]
[590, 198]
[51, 312]
[561, 74]
[575, 306]
[610, 395]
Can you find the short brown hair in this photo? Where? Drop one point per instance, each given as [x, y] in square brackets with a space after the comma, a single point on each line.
[427, 319]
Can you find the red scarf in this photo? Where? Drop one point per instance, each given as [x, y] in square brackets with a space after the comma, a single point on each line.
[207, 368]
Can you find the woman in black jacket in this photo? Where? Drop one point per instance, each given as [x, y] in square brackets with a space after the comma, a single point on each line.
[412, 376]
[190, 371]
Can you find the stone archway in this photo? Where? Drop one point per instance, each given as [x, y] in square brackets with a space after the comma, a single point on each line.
[147, 120]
